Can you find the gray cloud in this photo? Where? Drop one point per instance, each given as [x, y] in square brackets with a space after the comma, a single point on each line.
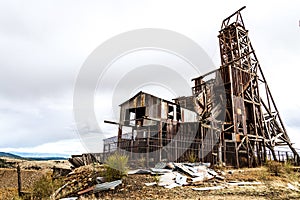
[44, 44]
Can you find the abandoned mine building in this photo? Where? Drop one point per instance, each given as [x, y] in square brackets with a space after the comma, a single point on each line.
[231, 117]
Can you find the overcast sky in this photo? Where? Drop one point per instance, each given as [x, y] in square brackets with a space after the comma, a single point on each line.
[43, 45]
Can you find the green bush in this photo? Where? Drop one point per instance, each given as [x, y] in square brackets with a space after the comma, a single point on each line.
[116, 166]
[2, 162]
[191, 157]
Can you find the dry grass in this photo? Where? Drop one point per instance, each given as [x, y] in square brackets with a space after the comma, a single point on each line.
[8, 176]
[273, 187]
[8, 193]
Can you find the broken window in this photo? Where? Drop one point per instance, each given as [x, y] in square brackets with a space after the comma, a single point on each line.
[170, 112]
[135, 116]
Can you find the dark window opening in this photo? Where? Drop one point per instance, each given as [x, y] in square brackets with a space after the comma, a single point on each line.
[228, 136]
[135, 116]
[170, 112]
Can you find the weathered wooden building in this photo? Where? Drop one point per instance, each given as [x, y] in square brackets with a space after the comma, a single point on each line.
[155, 129]
[231, 118]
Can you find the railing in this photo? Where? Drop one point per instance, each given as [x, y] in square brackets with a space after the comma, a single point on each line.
[283, 156]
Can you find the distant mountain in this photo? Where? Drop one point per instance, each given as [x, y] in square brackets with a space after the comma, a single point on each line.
[9, 155]
[41, 155]
[46, 158]
[34, 156]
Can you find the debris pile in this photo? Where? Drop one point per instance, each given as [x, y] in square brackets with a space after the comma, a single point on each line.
[84, 159]
[87, 181]
[79, 180]
[180, 174]
[191, 174]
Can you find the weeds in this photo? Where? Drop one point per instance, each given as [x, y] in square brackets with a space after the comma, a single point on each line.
[45, 186]
[4, 164]
[263, 175]
[288, 167]
[191, 157]
[116, 166]
[156, 178]
[274, 167]
[141, 162]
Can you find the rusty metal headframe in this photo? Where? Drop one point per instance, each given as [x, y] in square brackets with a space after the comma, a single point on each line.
[252, 121]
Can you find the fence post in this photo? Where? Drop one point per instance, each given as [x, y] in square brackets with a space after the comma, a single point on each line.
[19, 180]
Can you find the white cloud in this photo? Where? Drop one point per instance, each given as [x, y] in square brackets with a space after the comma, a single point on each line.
[67, 147]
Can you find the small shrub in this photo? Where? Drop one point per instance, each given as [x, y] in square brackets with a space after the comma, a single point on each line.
[288, 167]
[116, 167]
[45, 186]
[141, 162]
[274, 167]
[2, 162]
[156, 178]
[191, 157]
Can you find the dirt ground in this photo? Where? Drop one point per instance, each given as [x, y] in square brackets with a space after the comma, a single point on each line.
[9, 181]
[133, 186]
[31, 171]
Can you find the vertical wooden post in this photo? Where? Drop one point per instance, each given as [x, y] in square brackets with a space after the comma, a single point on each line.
[176, 150]
[148, 147]
[224, 150]
[265, 150]
[19, 180]
[160, 145]
[131, 150]
[274, 154]
[258, 159]
[248, 153]
[202, 145]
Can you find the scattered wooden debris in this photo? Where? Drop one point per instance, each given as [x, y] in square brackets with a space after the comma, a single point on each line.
[139, 171]
[209, 188]
[78, 181]
[167, 179]
[184, 174]
[155, 171]
[150, 184]
[292, 187]
[84, 159]
[69, 198]
[85, 181]
[107, 186]
[243, 183]
[86, 190]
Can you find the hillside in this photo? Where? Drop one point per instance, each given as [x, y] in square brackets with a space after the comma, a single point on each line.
[34, 156]
[9, 155]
